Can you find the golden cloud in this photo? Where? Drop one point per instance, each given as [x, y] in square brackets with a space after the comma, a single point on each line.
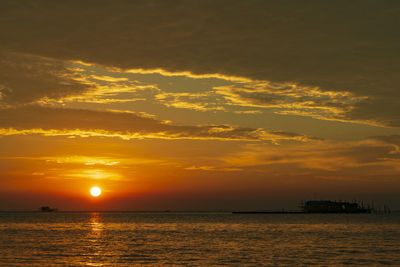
[86, 123]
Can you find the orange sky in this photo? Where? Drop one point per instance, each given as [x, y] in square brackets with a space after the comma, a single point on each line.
[198, 106]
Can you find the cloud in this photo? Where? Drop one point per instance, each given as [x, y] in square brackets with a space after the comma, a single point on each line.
[109, 78]
[103, 89]
[27, 78]
[390, 139]
[196, 101]
[337, 46]
[247, 112]
[361, 158]
[282, 98]
[286, 98]
[84, 123]
[211, 168]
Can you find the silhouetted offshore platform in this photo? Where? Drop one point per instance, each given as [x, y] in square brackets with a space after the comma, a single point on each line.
[326, 206]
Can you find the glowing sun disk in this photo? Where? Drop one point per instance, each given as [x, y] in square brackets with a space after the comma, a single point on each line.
[95, 191]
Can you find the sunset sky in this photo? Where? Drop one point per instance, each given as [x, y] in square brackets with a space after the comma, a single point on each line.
[198, 105]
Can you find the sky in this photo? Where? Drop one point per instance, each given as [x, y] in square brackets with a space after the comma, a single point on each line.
[198, 105]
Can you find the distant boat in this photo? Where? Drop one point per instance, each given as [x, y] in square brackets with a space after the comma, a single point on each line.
[47, 209]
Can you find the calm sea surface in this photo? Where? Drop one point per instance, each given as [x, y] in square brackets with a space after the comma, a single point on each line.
[133, 238]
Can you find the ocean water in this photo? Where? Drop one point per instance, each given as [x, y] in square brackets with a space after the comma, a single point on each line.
[197, 239]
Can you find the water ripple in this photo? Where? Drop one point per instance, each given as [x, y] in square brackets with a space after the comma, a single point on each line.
[197, 239]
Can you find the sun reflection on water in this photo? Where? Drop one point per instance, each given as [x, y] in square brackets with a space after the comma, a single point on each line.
[95, 239]
[95, 223]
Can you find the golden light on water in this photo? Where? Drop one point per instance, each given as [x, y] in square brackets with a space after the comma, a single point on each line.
[95, 191]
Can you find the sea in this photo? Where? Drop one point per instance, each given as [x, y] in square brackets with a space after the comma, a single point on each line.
[197, 239]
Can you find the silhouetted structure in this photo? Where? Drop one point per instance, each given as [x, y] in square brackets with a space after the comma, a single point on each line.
[323, 206]
[327, 206]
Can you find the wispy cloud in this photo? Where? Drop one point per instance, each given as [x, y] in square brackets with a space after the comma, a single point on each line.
[85, 123]
[28, 78]
[328, 156]
[211, 168]
[196, 101]
[287, 98]
[36, 79]
[283, 98]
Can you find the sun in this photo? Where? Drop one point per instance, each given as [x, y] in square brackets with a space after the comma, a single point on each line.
[95, 191]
